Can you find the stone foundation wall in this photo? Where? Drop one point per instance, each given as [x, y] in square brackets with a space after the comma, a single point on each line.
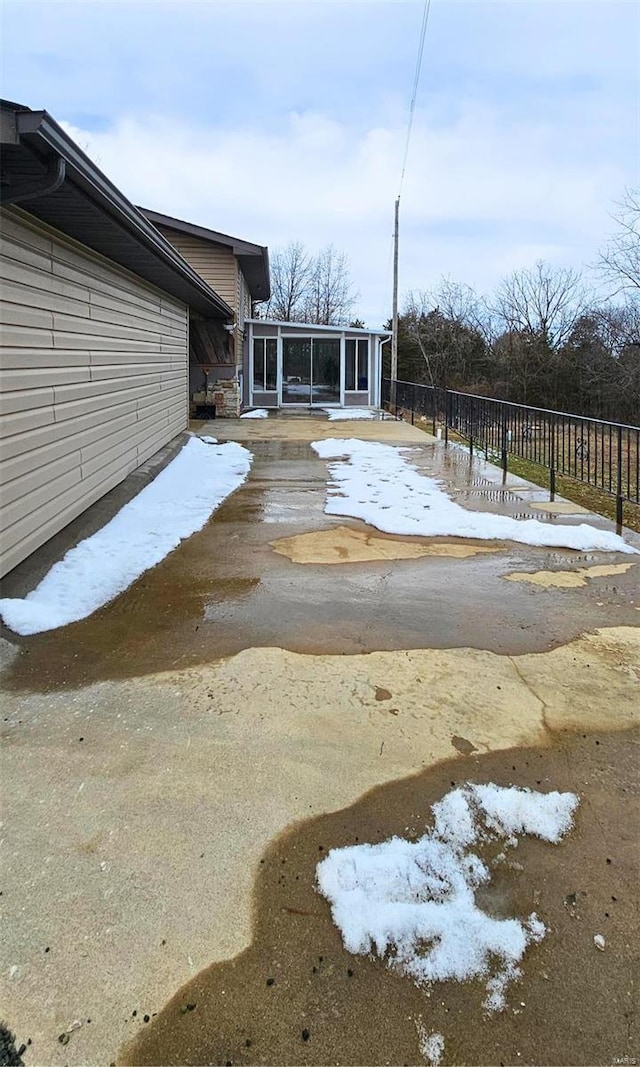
[225, 394]
[226, 397]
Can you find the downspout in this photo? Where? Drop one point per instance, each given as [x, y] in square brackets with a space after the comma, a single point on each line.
[250, 379]
[380, 344]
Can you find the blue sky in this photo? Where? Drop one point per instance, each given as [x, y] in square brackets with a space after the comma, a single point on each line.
[286, 121]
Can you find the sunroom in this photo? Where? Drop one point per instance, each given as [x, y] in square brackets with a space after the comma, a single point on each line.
[297, 364]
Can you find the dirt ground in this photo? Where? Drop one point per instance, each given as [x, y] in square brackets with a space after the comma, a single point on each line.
[574, 1005]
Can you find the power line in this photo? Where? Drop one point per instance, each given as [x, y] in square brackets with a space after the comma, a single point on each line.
[394, 319]
[416, 82]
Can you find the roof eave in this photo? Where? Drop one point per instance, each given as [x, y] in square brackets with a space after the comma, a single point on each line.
[38, 130]
[253, 258]
[319, 326]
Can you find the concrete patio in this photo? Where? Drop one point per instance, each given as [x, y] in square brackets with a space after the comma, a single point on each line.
[271, 671]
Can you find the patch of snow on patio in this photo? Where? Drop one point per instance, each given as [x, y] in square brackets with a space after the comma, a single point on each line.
[375, 482]
[176, 504]
[413, 903]
[431, 1045]
[257, 413]
[338, 414]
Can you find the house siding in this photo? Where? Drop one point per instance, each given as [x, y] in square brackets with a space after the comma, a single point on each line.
[216, 264]
[243, 301]
[94, 380]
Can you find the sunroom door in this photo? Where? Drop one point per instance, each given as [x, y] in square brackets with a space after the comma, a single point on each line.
[325, 365]
[296, 370]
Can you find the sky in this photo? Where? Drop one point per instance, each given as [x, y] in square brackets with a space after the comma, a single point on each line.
[286, 121]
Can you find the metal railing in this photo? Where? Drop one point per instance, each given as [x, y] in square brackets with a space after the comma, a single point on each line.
[605, 455]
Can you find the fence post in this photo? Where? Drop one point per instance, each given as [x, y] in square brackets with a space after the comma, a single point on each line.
[471, 411]
[505, 450]
[434, 408]
[619, 501]
[446, 416]
[413, 400]
[552, 461]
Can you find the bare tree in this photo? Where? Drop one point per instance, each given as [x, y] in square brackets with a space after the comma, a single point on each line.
[598, 370]
[620, 261]
[619, 326]
[543, 302]
[330, 296]
[444, 326]
[291, 273]
[418, 307]
[545, 341]
[306, 288]
[457, 302]
[460, 303]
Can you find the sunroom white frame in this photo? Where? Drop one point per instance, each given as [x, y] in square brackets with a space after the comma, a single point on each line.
[271, 329]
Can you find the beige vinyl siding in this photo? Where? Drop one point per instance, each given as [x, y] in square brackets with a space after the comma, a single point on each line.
[94, 380]
[216, 264]
[243, 300]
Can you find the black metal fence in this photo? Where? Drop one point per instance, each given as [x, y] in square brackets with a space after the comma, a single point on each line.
[605, 455]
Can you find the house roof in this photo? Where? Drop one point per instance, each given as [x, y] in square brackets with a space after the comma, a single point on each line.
[47, 175]
[253, 259]
[310, 327]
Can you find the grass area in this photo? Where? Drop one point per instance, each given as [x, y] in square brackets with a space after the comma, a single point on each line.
[579, 492]
[588, 496]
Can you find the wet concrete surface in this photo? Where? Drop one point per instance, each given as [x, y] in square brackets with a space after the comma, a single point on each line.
[296, 996]
[575, 578]
[345, 544]
[136, 811]
[153, 753]
[226, 588]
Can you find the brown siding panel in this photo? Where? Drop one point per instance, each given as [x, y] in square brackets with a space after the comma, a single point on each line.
[95, 371]
[216, 264]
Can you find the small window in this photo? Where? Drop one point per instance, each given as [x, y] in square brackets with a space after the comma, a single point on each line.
[271, 364]
[350, 364]
[265, 364]
[363, 365]
[258, 363]
[356, 370]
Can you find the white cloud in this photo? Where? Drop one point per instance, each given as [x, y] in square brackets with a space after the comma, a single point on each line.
[286, 120]
[483, 195]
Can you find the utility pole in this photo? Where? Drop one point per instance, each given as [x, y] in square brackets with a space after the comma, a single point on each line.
[394, 320]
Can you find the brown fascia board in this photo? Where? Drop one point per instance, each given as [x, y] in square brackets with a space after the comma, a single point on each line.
[40, 134]
[253, 258]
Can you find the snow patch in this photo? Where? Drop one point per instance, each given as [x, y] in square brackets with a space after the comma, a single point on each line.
[179, 501]
[257, 413]
[431, 1045]
[376, 483]
[414, 902]
[338, 414]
